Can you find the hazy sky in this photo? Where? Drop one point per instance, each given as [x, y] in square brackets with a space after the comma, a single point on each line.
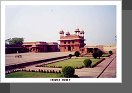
[43, 22]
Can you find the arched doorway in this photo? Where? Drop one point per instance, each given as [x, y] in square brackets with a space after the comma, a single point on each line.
[69, 48]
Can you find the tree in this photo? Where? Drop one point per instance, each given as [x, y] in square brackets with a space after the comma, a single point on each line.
[97, 53]
[70, 55]
[87, 62]
[77, 53]
[68, 71]
[100, 53]
[110, 52]
[14, 41]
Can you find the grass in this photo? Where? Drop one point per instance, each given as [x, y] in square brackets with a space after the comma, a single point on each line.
[106, 55]
[74, 62]
[33, 75]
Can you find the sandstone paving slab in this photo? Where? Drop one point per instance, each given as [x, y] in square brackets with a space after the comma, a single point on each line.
[110, 71]
[30, 57]
[94, 72]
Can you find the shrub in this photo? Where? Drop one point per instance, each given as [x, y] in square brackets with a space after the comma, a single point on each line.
[44, 71]
[41, 70]
[53, 71]
[47, 71]
[77, 53]
[87, 62]
[110, 52]
[68, 71]
[95, 55]
[100, 53]
[70, 55]
[75, 76]
[59, 71]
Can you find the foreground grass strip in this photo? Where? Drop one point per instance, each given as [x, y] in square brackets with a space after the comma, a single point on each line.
[33, 75]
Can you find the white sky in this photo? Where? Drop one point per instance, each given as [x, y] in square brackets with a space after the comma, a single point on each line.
[43, 22]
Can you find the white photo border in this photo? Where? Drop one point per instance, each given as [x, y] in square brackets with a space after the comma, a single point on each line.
[118, 78]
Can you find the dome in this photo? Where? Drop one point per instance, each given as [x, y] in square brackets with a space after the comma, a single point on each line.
[82, 32]
[77, 30]
[61, 32]
[67, 33]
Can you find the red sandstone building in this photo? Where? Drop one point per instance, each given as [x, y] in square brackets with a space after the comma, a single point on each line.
[41, 46]
[72, 42]
[32, 47]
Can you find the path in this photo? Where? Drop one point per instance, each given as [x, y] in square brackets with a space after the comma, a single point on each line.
[95, 72]
[30, 57]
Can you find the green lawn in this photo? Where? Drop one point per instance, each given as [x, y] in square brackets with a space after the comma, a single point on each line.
[106, 55]
[74, 62]
[33, 75]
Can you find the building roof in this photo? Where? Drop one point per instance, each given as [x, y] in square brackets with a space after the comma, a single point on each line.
[71, 37]
[40, 43]
[52, 43]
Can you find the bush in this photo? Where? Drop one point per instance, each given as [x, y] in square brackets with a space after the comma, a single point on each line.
[77, 53]
[47, 71]
[68, 71]
[87, 62]
[95, 55]
[98, 53]
[70, 55]
[110, 52]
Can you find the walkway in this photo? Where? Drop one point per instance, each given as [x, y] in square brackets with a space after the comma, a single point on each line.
[30, 57]
[110, 71]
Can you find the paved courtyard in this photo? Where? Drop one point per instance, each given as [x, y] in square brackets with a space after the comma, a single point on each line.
[29, 57]
[106, 67]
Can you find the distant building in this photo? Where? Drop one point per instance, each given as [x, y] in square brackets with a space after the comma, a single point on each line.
[41, 46]
[14, 49]
[32, 47]
[103, 48]
[71, 42]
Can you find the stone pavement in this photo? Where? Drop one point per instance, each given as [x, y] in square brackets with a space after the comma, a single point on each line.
[30, 57]
[106, 69]
[109, 72]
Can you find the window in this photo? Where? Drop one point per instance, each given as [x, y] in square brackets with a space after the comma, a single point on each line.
[69, 42]
[64, 42]
[73, 42]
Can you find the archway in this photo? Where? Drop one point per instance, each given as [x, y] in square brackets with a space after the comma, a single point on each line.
[69, 48]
